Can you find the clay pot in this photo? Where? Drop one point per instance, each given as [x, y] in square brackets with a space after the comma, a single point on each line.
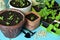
[31, 25]
[15, 30]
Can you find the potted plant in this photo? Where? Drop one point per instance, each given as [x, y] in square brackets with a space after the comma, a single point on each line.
[32, 20]
[52, 4]
[47, 15]
[56, 28]
[57, 18]
[23, 5]
[11, 21]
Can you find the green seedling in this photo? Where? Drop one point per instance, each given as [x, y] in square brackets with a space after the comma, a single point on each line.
[50, 27]
[7, 23]
[58, 17]
[17, 20]
[32, 18]
[10, 17]
[1, 18]
[22, 2]
[48, 4]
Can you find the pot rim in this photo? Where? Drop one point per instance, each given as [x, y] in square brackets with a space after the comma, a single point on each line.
[15, 26]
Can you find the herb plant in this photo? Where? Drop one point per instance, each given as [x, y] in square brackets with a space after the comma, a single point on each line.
[1, 18]
[58, 17]
[48, 4]
[44, 13]
[22, 2]
[41, 3]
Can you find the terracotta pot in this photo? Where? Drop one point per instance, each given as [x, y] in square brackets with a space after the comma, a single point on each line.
[31, 25]
[15, 30]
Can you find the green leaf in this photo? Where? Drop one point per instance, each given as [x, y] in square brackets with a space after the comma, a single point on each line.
[16, 21]
[1, 18]
[7, 23]
[50, 27]
[57, 17]
[56, 25]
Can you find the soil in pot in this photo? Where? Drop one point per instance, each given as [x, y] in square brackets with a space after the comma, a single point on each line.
[37, 9]
[10, 18]
[31, 17]
[55, 6]
[17, 4]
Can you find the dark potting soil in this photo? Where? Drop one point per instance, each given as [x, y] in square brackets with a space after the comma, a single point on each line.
[17, 4]
[53, 30]
[55, 6]
[15, 18]
[49, 15]
[31, 17]
[37, 9]
[48, 20]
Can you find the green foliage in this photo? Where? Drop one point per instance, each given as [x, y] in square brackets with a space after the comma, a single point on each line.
[48, 4]
[17, 20]
[22, 2]
[32, 17]
[41, 3]
[1, 18]
[7, 23]
[45, 12]
[56, 25]
[53, 13]
[10, 17]
[50, 27]
[58, 17]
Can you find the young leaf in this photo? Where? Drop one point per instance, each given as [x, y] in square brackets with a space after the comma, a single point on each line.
[1, 18]
[7, 23]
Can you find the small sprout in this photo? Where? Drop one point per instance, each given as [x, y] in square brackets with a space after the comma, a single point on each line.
[13, 2]
[18, 18]
[10, 13]
[50, 27]
[1, 18]
[56, 25]
[48, 4]
[10, 17]
[16, 21]
[45, 18]
[7, 23]
[32, 18]
[57, 17]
